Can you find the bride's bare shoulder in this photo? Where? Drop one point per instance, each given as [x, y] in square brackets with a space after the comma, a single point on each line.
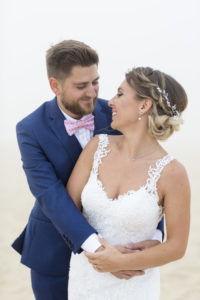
[92, 144]
[174, 173]
[175, 169]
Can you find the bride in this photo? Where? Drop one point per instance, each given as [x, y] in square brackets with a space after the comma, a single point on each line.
[124, 184]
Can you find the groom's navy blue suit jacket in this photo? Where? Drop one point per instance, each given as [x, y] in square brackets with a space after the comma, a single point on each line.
[55, 226]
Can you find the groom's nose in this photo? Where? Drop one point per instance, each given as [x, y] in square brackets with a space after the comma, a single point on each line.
[92, 92]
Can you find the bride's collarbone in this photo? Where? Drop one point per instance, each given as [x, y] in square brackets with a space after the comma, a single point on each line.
[116, 164]
[118, 177]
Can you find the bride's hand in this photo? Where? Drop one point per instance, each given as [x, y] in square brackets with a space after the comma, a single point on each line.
[107, 260]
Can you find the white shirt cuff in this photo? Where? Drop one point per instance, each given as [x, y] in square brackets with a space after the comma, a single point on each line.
[91, 244]
[157, 235]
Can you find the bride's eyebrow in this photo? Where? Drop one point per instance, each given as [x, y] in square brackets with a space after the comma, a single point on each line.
[120, 89]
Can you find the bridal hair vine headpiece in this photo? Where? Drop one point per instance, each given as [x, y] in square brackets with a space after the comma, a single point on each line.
[172, 107]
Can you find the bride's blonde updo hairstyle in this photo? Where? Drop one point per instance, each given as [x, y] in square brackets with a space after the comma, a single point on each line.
[168, 97]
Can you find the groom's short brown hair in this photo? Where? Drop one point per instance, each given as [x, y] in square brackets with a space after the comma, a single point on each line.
[62, 57]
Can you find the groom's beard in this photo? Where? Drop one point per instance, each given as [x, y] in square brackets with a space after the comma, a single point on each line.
[79, 107]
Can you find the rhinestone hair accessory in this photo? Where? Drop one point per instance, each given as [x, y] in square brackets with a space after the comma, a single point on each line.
[172, 107]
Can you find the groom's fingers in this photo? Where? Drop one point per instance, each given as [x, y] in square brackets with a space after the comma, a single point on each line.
[101, 248]
[125, 249]
[143, 245]
[91, 259]
[135, 246]
[121, 276]
[128, 274]
[102, 241]
[134, 273]
[90, 256]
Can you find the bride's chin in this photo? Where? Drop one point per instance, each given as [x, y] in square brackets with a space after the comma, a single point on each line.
[114, 126]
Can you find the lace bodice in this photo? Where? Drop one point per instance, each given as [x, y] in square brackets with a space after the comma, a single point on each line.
[131, 217]
[137, 210]
[154, 173]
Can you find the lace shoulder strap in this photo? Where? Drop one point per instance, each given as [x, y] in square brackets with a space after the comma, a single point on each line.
[154, 173]
[100, 152]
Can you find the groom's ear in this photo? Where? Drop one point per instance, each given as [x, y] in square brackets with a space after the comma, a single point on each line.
[55, 86]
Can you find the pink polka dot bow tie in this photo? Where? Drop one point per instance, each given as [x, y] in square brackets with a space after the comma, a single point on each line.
[72, 126]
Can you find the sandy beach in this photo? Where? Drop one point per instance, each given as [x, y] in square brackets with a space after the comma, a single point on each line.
[179, 280]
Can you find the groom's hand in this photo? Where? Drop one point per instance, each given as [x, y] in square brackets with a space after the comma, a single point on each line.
[101, 248]
[131, 248]
[127, 274]
[125, 249]
[143, 245]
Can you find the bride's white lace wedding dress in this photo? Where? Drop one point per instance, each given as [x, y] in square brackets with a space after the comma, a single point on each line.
[132, 217]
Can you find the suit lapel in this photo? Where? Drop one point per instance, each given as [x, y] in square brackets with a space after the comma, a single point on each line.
[56, 123]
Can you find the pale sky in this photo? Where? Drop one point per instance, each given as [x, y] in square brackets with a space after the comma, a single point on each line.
[161, 34]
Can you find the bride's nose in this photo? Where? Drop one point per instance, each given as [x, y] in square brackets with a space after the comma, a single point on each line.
[111, 102]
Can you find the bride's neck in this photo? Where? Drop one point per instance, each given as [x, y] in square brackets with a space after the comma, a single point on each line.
[138, 143]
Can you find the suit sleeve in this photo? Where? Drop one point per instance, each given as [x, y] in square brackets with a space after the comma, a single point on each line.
[50, 192]
[161, 227]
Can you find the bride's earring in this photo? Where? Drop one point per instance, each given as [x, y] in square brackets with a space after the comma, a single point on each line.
[140, 113]
[140, 117]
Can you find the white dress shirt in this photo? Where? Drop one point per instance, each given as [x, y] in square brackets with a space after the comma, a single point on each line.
[84, 135]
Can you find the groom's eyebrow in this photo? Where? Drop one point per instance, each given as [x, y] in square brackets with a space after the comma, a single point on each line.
[86, 82]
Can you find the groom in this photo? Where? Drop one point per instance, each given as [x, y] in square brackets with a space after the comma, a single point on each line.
[50, 141]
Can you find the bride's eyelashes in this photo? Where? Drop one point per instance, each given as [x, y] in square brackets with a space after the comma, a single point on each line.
[119, 94]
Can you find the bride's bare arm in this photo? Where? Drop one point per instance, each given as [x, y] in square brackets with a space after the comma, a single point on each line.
[81, 172]
[176, 191]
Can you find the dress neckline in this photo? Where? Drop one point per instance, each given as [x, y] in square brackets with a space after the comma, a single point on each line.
[153, 172]
[131, 191]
